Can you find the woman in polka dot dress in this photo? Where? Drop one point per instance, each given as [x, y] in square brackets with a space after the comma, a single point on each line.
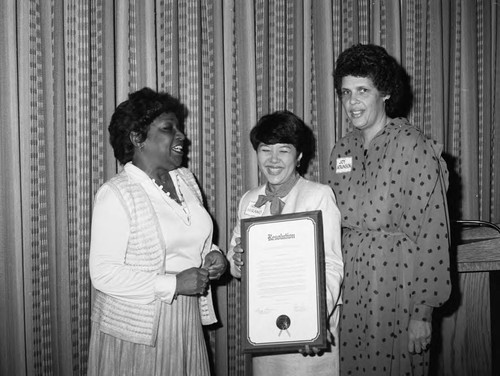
[390, 182]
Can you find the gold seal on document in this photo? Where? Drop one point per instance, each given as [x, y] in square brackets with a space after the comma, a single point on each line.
[283, 322]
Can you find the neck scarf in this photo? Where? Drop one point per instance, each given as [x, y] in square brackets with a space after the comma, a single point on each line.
[275, 197]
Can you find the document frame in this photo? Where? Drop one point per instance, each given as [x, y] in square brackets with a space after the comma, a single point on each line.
[283, 283]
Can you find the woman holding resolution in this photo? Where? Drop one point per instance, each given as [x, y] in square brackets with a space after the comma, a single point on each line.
[284, 143]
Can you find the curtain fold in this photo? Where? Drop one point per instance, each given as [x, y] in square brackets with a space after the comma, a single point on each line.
[56, 178]
[13, 352]
[469, 127]
[327, 104]
[494, 74]
[68, 63]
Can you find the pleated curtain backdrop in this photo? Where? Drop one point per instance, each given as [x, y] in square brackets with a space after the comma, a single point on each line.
[66, 64]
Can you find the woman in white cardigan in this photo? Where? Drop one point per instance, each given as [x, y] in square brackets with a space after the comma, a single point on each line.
[151, 252]
[284, 146]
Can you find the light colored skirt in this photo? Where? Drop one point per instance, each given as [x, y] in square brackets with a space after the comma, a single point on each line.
[180, 349]
[296, 364]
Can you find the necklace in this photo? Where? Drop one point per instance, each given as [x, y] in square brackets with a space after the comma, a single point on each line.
[180, 200]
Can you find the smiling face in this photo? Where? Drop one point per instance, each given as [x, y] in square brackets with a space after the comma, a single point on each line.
[164, 144]
[277, 162]
[363, 104]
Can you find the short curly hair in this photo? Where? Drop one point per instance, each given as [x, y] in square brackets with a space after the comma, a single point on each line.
[284, 127]
[388, 76]
[136, 115]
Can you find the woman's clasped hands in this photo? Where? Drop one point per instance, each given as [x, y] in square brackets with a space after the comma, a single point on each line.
[215, 263]
[192, 281]
[195, 281]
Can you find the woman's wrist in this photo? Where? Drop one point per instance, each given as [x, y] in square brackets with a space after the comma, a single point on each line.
[421, 312]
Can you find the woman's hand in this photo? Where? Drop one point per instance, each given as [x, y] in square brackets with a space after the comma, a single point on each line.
[192, 281]
[215, 263]
[238, 258]
[419, 336]
[310, 350]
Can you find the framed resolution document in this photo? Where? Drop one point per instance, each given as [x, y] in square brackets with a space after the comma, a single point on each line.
[283, 283]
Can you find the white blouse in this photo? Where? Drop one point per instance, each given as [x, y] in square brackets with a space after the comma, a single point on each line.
[186, 230]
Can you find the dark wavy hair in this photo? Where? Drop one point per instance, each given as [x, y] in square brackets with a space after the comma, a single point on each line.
[284, 127]
[136, 115]
[388, 76]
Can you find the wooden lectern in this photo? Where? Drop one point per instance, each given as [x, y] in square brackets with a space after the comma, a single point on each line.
[466, 323]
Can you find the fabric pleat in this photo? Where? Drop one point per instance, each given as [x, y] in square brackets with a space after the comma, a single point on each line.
[39, 251]
[235, 356]
[180, 348]
[78, 133]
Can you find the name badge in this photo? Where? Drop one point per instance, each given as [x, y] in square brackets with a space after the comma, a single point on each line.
[253, 211]
[343, 165]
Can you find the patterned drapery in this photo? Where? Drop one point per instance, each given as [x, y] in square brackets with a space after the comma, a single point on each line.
[67, 63]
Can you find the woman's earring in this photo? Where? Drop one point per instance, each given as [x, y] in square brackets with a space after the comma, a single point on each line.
[141, 146]
[298, 163]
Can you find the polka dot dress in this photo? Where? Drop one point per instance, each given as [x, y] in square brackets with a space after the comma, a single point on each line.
[395, 245]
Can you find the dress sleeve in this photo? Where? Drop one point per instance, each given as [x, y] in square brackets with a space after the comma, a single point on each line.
[108, 271]
[425, 221]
